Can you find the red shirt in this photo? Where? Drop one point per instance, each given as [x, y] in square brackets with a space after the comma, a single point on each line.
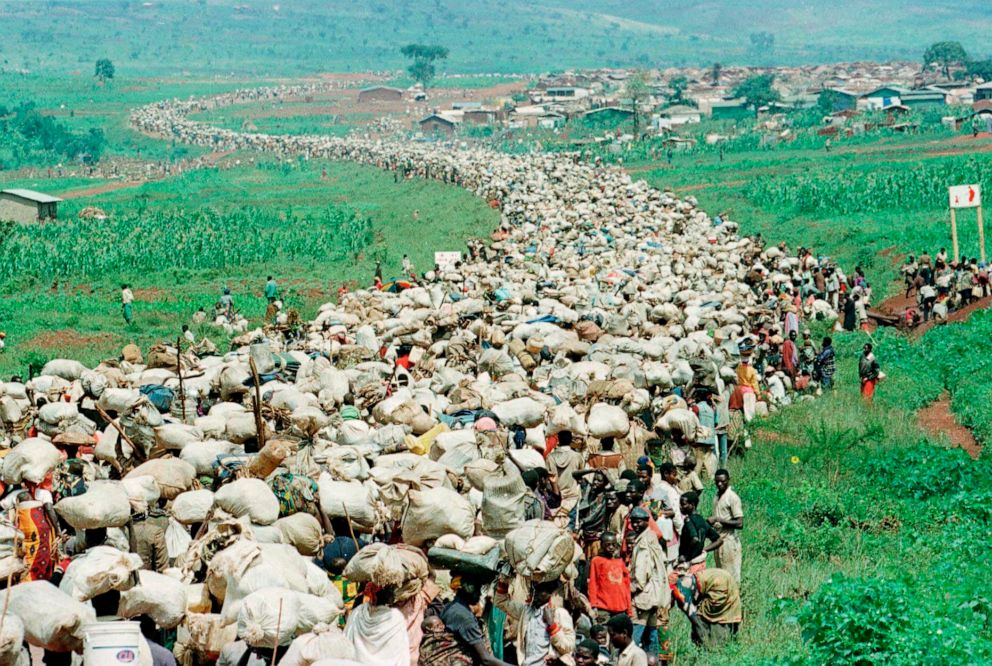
[609, 585]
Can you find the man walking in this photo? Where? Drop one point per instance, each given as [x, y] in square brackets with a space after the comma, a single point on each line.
[869, 373]
[728, 520]
[127, 298]
[648, 581]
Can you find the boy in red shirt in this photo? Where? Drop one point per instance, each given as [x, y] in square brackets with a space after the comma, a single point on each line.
[609, 580]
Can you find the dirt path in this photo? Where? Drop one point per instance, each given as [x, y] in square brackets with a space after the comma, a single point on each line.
[103, 189]
[937, 419]
[206, 160]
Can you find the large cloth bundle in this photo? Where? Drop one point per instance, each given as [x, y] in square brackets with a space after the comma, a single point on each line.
[99, 570]
[31, 460]
[192, 506]
[607, 421]
[11, 642]
[435, 512]
[303, 532]
[52, 619]
[524, 412]
[348, 499]
[104, 504]
[249, 497]
[269, 617]
[172, 475]
[502, 501]
[324, 642]
[539, 550]
[400, 566]
[161, 598]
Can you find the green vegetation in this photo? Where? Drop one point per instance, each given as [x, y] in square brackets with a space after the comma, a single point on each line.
[178, 241]
[30, 137]
[104, 70]
[260, 38]
[422, 69]
[757, 91]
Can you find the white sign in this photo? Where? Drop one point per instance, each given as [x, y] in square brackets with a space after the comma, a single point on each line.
[966, 196]
[446, 260]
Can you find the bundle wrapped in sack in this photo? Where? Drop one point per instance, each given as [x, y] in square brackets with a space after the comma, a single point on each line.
[12, 642]
[99, 570]
[104, 504]
[52, 619]
[502, 501]
[398, 566]
[325, 641]
[160, 597]
[173, 476]
[65, 368]
[349, 499]
[256, 566]
[303, 532]
[192, 506]
[524, 412]
[270, 457]
[142, 492]
[435, 512]
[249, 497]
[269, 617]
[607, 421]
[176, 436]
[539, 550]
[31, 460]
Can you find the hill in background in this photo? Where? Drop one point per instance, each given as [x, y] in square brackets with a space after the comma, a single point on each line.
[299, 36]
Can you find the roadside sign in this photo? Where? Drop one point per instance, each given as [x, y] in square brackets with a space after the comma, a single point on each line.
[966, 196]
[446, 260]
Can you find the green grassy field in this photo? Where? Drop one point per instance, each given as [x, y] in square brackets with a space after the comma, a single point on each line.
[65, 302]
[261, 38]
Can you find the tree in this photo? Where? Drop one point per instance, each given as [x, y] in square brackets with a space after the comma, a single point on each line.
[826, 101]
[678, 84]
[945, 54]
[104, 70]
[715, 73]
[979, 69]
[423, 56]
[758, 91]
[637, 91]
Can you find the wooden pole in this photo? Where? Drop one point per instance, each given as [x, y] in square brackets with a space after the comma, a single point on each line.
[135, 449]
[179, 373]
[351, 530]
[954, 235]
[981, 235]
[275, 643]
[259, 425]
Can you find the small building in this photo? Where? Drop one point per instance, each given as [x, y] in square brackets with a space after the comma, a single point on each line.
[883, 97]
[566, 92]
[677, 115]
[437, 124]
[27, 206]
[479, 116]
[842, 99]
[983, 92]
[550, 120]
[731, 109]
[607, 116]
[924, 98]
[380, 94]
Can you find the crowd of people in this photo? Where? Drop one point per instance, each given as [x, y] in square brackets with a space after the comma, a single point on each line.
[503, 460]
[942, 286]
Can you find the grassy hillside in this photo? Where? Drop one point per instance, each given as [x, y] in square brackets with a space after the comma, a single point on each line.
[257, 37]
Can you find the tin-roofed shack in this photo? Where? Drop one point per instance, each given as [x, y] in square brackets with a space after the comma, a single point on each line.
[27, 205]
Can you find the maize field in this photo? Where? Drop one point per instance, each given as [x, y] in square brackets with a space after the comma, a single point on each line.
[134, 243]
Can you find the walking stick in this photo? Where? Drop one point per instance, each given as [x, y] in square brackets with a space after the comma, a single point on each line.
[259, 426]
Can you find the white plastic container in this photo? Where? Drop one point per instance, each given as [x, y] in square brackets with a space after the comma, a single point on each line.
[111, 643]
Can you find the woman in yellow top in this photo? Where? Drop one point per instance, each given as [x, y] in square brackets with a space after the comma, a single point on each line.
[747, 375]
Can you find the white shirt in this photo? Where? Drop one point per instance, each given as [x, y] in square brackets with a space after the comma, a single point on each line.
[126, 296]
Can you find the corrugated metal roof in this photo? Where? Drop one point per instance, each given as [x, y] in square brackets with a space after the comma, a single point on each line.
[31, 195]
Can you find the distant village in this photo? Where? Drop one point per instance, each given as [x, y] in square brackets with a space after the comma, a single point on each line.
[601, 98]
